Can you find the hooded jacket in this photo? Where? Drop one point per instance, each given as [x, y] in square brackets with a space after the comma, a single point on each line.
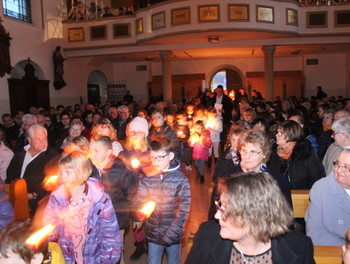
[102, 242]
[171, 192]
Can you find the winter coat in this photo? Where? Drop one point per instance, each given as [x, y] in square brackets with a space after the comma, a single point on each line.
[302, 169]
[102, 242]
[201, 145]
[169, 134]
[215, 128]
[171, 192]
[7, 214]
[6, 156]
[120, 183]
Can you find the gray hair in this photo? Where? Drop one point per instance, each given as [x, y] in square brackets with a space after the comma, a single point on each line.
[34, 128]
[342, 125]
[122, 107]
[29, 118]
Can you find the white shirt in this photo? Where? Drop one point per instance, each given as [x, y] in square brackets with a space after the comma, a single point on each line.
[27, 159]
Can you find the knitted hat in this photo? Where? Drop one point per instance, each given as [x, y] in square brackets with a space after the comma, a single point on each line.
[139, 124]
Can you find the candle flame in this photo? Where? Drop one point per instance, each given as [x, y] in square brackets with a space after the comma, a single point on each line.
[51, 180]
[135, 163]
[148, 208]
[37, 237]
[180, 133]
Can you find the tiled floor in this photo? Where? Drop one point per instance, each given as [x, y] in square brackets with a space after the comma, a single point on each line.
[198, 214]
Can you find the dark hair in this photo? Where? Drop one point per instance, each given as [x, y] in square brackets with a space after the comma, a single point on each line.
[13, 238]
[160, 144]
[63, 114]
[292, 129]
[262, 121]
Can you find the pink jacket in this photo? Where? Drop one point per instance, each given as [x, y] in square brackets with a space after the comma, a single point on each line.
[201, 144]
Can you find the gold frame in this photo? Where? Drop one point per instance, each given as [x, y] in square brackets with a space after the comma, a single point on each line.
[158, 20]
[76, 34]
[291, 17]
[180, 16]
[139, 26]
[209, 13]
[265, 14]
[238, 12]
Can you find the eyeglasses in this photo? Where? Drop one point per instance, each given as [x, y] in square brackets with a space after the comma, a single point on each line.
[279, 133]
[160, 158]
[336, 133]
[127, 112]
[136, 133]
[252, 153]
[337, 165]
[220, 208]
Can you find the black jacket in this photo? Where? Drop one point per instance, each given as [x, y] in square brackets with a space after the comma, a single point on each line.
[209, 248]
[120, 184]
[172, 195]
[121, 128]
[226, 106]
[303, 167]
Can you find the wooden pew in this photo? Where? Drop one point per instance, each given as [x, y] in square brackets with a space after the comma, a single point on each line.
[327, 255]
[300, 200]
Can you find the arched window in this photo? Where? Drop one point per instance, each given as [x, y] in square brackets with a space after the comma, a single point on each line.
[228, 78]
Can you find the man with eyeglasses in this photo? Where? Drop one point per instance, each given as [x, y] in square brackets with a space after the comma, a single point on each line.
[121, 122]
[328, 215]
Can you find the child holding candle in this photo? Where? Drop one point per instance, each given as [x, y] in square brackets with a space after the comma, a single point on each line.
[214, 125]
[86, 225]
[200, 142]
[170, 190]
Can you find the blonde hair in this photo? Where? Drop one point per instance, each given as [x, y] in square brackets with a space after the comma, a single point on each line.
[255, 199]
[104, 123]
[79, 163]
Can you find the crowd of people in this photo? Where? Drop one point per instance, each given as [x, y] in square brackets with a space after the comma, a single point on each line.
[129, 163]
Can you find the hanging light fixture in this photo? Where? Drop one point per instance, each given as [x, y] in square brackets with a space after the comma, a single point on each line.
[322, 2]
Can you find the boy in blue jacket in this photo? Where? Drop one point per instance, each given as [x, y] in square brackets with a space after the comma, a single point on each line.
[165, 185]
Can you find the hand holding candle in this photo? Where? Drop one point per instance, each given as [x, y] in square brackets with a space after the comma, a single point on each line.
[37, 238]
[146, 211]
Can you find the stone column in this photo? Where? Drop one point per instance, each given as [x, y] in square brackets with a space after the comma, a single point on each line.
[269, 76]
[166, 72]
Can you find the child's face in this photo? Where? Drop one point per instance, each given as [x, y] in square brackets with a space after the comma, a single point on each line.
[157, 119]
[98, 153]
[189, 109]
[181, 119]
[199, 128]
[170, 119]
[161, 159]
[68, 177]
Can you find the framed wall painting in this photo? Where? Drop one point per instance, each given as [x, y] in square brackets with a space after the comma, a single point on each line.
[158, 20]
[209, 13]
[180, 16]
[292, 17]
[238, 12]
[75, 34]
[316, 19]
[98, 32]
[139, 26]
[121, 30]
[265, 14]
[342, 18]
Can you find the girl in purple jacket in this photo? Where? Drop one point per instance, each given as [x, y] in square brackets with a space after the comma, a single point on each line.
[86, 225]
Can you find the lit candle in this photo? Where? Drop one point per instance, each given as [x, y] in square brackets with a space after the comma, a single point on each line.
[37, 237]
[135, 163]
[148, 208]
[180, 133]
[51, 180]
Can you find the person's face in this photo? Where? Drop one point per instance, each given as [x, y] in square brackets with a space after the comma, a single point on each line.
[248, 117]
[137, 136]
[161, 159]
[26, 125]
[141, 114]
[199, 129]
[259, 127]
[281, 137]
[38, 141]
[113, 113]
[252, 157]
[124, 114]
[48, 121]
[68, 177]
[327, 119]
[181, 119]
[285, 106]
[75, 131]
[99, 154]
[170, 119]
[7, 121]
[342, 170]
[104, 131]
[41, 120]
[189, 109]
[96, 118]
[65, 120]
[157, 120]
[228, 228]
[234, 140]
[320, 112]
[219, 92]
[339, 138]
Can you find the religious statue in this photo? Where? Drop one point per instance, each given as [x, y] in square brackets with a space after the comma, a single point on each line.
[58, 61]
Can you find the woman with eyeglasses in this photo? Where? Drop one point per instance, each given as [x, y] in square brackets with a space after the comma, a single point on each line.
[328, 215]
[253, 219]
[294, 157]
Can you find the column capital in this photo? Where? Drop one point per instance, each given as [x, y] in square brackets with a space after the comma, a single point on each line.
[165, 53]
[269, 49]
